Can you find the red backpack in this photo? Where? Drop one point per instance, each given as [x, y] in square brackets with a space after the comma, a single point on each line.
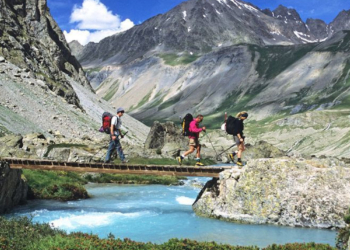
[106, 122]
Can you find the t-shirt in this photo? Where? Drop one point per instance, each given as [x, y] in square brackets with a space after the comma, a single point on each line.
[117, 122]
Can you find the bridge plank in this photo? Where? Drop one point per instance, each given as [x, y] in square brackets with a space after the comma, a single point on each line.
[207, 171]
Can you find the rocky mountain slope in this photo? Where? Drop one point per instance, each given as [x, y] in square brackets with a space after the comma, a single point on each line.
[270, 63]
[32, 40]
[43, 87]
[290, 192]
[201, 26]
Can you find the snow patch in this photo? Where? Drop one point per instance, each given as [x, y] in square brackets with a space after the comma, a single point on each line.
[189, 29]
[236, 3]
[184, 14]
[307, 27]
[251, 8]
[302, 37]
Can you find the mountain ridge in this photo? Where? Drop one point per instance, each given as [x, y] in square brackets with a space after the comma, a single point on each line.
[309, 74]
[199, 26]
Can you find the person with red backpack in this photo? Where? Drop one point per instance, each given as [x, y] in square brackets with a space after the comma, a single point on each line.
[193, 135]
[115, 132]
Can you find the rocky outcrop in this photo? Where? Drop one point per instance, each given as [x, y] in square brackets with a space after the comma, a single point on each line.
[32, 40]
[290, 192]
[166, 137]
[13, 189]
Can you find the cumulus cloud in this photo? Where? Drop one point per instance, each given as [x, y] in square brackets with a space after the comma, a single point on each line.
[94, 22]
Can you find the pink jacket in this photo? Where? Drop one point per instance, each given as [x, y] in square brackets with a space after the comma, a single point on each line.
[194, 130]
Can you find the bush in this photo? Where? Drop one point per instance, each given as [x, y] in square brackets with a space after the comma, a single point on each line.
[57, 185]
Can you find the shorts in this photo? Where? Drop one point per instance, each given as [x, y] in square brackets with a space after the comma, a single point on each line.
[236, 140]
[194, 142]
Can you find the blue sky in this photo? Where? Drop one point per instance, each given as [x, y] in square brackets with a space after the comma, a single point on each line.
[92, 20]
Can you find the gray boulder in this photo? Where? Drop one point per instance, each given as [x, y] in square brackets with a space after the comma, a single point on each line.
[290, 192]
[166, 137]
[13, 189]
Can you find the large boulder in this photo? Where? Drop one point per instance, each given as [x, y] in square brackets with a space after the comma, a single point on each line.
[13, 189]
[166, 137]
[284, 191]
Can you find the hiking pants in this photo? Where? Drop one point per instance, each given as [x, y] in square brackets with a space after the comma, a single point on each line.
[115, 144]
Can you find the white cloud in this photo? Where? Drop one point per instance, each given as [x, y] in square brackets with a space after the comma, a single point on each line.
[94, 22]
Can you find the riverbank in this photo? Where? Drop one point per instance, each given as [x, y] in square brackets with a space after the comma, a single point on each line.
[69, 186]
[157, 213]
[21, 233]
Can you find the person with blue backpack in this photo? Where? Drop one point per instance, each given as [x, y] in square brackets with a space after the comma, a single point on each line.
[235, 127]
[115, 132]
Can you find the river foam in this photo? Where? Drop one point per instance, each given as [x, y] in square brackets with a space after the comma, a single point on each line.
[92, 219]
[183, 200]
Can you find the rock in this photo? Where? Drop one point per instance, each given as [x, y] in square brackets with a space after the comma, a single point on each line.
[58, 134]
[165, 137]
[13, 141]
[2, 60]
[13, 189]
[262, 149]
[86, 138]
[282, 191]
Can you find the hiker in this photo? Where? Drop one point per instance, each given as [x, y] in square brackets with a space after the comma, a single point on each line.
[114, 143]
[238, 137]
[194, 141]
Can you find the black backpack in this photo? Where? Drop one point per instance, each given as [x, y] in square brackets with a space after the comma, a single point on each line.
[230, 124]
[186, 124]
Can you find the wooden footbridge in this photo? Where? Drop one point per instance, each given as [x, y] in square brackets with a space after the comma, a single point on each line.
[207, 171]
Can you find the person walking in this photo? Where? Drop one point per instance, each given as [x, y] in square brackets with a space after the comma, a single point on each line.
[194, 140]
[114, 143]
[238, 137]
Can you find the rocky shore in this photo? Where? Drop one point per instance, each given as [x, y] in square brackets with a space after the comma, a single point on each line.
[13, 189]
[282, 191]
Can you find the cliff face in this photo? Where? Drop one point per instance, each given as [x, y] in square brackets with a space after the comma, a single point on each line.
[32, 40]
[305, 193]
[13, 189]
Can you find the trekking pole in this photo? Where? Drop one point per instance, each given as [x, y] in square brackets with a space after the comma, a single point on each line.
[226, 150]
[211, 144]
[125, 133]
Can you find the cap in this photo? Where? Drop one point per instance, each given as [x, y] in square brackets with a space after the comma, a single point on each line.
[120, 110]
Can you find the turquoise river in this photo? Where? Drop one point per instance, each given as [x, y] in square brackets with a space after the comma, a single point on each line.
[157, 213]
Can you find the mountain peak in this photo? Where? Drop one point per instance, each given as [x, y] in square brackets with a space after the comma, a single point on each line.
[287, 14]
[341, 22]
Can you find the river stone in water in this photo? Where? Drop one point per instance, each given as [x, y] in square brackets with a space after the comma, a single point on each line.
[291, 192]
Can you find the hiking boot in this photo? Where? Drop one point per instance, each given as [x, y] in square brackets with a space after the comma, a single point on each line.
[232, 156]
[199, 164]
[239, 163]
[179, 159]
[125, 161]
